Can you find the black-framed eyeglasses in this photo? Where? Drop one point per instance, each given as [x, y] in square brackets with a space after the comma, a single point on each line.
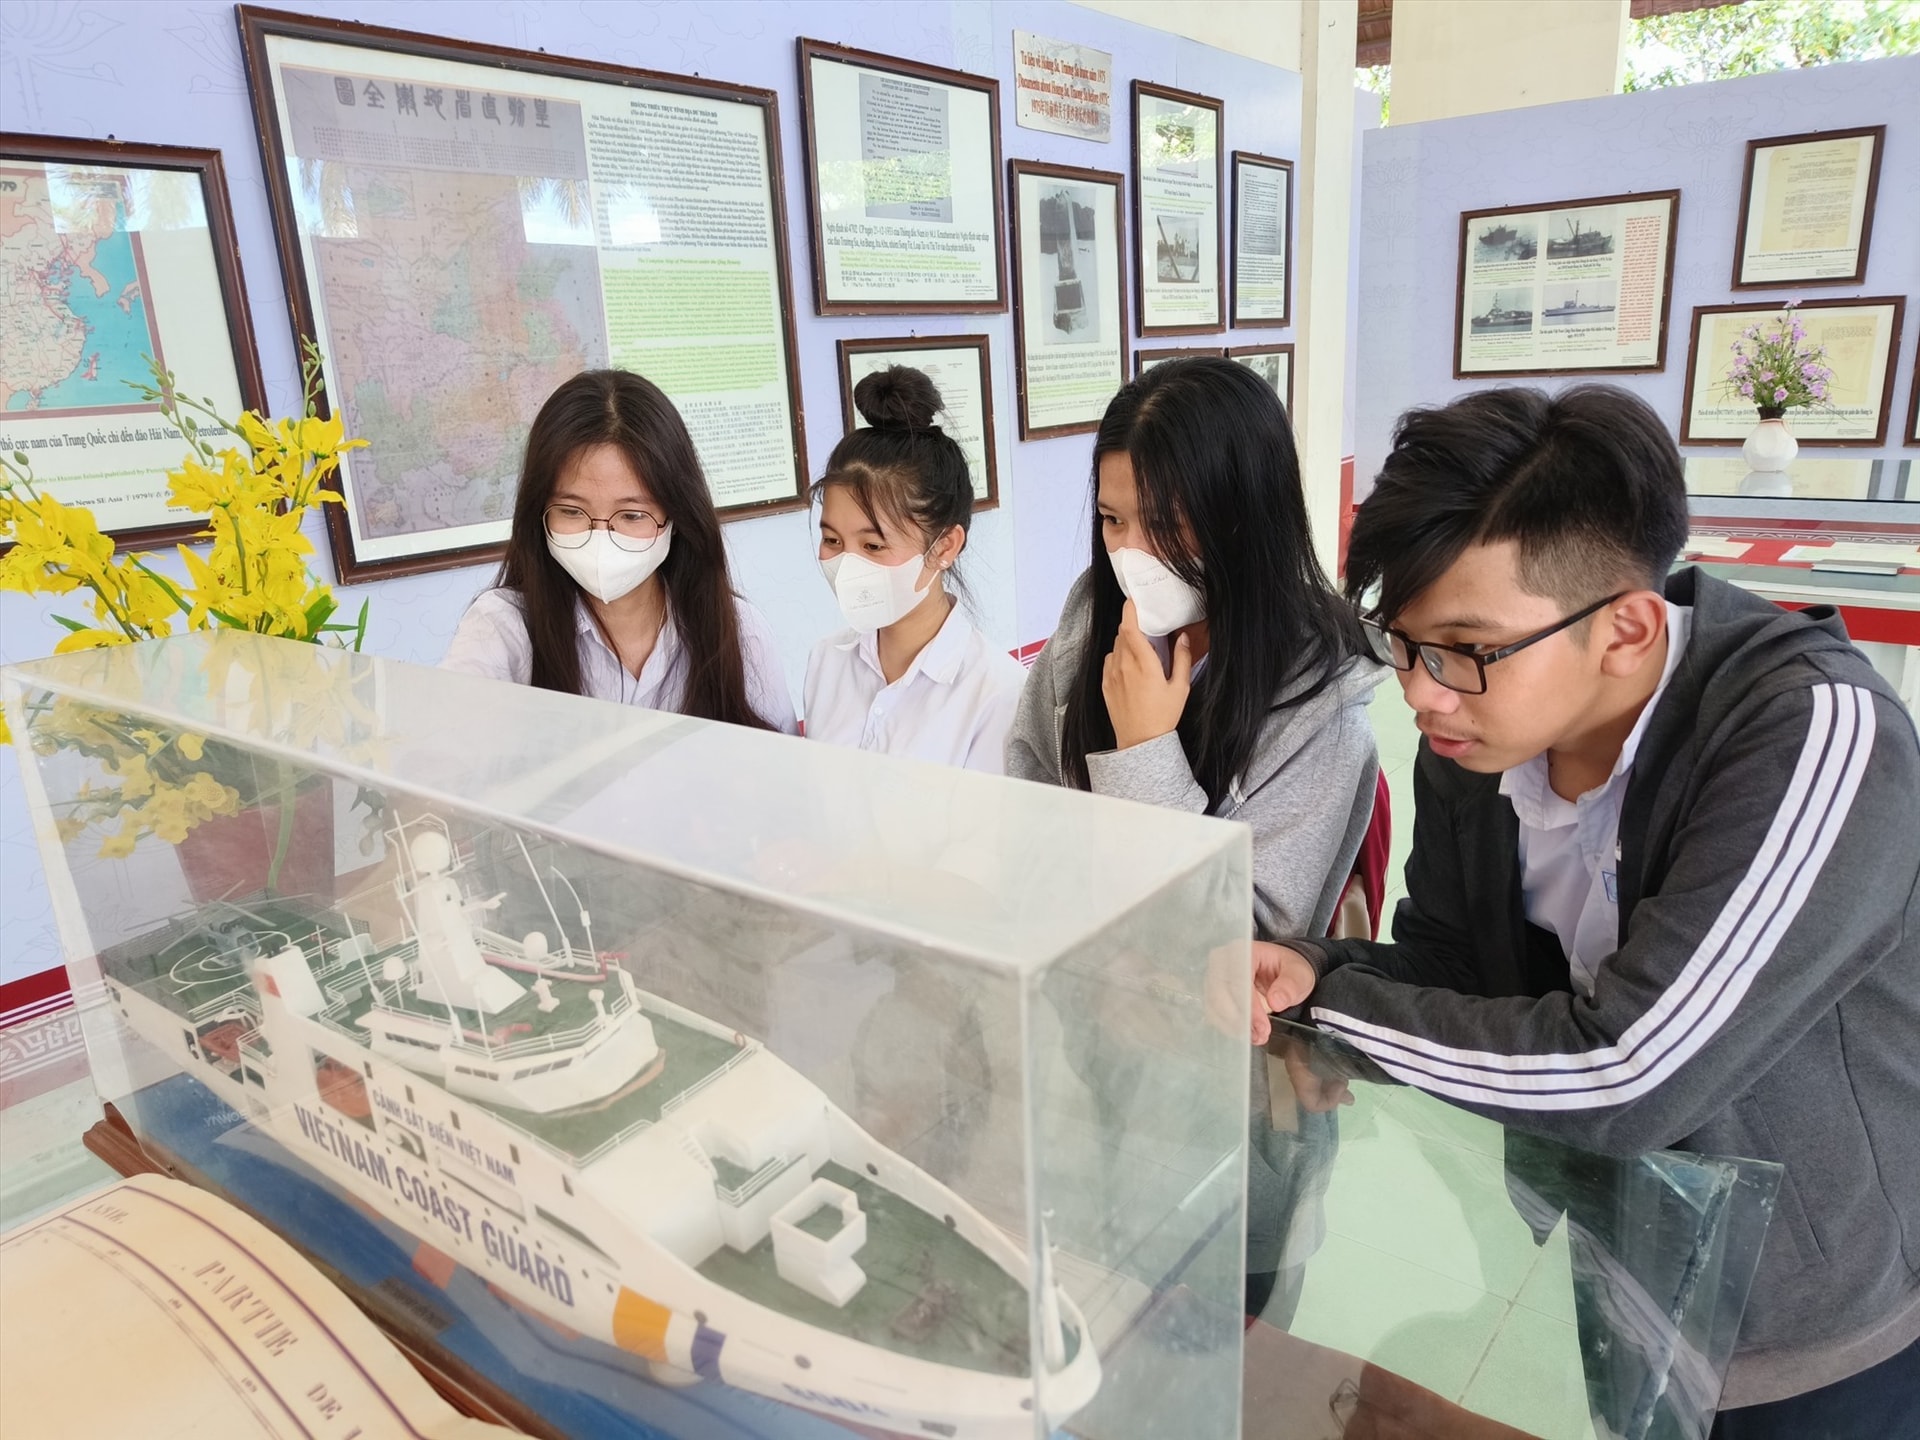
[1459, 667]
[568, 526]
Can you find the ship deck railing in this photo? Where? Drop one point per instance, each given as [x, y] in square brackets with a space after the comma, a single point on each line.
[738, 1195]
[391, 998]
[243, 999]
[704, 1081]
[605, 1147]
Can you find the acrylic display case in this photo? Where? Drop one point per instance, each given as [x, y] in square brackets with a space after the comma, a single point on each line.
[679, 1079]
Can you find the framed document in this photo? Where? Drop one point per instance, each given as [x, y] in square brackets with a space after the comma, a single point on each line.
[1806, 209]
[957, 365]
[1862, 339]
[1273, 364]
[1145, 360]
[1069, 298]
[903, 185]
[1583, 286]
[464, 226]
[111, 253]
[1176, 211]
[1262, 240]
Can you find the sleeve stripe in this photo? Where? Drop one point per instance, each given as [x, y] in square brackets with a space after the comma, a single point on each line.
[1690, 1012]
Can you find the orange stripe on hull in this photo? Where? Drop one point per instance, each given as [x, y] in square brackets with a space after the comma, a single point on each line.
[640, 1325]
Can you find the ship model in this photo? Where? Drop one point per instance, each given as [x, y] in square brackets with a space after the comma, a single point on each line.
[604, 1158]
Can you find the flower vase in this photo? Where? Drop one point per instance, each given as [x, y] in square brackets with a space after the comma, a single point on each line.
[230, 856]
[1771, 447]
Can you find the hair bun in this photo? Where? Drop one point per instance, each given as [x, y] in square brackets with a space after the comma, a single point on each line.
[897, 398]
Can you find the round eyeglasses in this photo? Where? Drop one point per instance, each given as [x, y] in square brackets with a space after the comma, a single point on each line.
[568, 526]
[1459, 667]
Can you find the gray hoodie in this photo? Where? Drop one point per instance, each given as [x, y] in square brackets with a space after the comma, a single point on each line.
[1307, 793]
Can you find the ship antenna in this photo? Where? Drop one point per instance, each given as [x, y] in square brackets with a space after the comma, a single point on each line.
[586, 920]
[533, 870]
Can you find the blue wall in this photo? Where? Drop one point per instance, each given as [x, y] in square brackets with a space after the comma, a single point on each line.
[165, 72]
[1416, 179]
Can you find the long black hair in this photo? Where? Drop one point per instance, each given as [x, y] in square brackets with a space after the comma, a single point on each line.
[619, 408]
[900, 466]
[1213, 459]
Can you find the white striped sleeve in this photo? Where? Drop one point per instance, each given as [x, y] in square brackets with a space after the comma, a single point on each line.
[1702, 997]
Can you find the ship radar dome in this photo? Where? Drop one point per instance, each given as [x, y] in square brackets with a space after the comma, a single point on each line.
[431, 853]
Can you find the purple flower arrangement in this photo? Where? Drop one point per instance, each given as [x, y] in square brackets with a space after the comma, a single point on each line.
[1776, 369]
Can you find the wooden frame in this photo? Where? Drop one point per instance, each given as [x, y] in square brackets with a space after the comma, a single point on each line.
[1143, 360]
[824, 304]
[1245, 352]
[1858, 275]
[1249, 160]
[1913, 401]
[257, 26]
[888, 345]
[1895, 303]
[1145, 90]
[1068, 175]
[1665, 308]
[161, 451]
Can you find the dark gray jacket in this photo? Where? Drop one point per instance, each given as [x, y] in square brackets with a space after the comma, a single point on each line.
[1765, 998]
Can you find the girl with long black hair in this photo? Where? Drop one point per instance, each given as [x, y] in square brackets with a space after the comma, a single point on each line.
[1204, 663]
[615, 582]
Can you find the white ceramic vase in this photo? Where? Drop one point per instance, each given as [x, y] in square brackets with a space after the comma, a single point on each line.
[1771, 447]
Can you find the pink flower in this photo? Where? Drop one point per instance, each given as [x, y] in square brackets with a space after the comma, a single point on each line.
[1780, 394]
[1747, 390]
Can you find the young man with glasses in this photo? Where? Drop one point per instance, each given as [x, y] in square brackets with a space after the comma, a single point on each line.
[1664, 889]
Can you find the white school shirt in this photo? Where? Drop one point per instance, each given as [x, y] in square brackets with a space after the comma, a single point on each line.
[492, 641]
[954, 706]
[1570, 849]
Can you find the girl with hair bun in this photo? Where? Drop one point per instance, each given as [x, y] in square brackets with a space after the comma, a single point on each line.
[912, 676]
[615, 582]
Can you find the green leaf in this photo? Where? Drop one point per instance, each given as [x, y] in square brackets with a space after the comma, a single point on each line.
[73, 625]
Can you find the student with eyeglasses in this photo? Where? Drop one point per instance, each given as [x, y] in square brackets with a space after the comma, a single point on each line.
[615, 582]
[1664, 888]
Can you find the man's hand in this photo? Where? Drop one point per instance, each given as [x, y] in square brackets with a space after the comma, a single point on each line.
[1144, 701]
[1282, 978]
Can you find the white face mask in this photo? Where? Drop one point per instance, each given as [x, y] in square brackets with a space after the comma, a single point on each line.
[604, 570]
[873, 596]
[1162, 601]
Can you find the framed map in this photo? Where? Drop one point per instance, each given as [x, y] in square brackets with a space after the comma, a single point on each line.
[463, 227]
[111, 253]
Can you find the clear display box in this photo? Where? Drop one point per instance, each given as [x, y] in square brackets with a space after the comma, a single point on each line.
[678, 1078]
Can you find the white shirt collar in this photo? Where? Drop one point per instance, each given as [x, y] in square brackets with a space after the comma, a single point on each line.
[1527, 784]
[939, 659]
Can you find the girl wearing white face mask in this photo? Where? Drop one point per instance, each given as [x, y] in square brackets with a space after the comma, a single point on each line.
[615, 582]
[1203, 663]
[912, 676]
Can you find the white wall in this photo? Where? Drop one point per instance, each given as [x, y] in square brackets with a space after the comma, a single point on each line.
[1465, 57]
[1266, 30]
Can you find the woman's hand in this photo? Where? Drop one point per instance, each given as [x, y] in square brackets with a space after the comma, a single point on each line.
[1143, 701]
[1282, 979]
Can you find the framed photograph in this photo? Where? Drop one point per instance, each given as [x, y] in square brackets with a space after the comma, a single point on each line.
[1069, 297]
[958, 365]
[1145, 360]
[1806, 209]
[1576, 287]
[1862, 338]
[1176, 211]
[111, 253]
[1262, 240]
[903, 185]
[1273, 364]
[464, 226]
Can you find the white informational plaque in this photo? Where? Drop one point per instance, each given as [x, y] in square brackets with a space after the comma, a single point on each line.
[1806, 209]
